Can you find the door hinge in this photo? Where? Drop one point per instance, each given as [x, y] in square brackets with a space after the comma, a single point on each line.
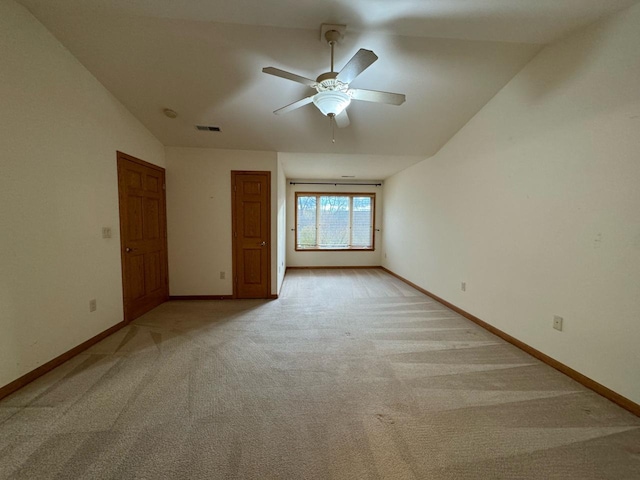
[235, 234]
[164, 186]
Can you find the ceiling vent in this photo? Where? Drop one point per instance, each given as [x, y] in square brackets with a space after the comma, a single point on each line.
[207, 128]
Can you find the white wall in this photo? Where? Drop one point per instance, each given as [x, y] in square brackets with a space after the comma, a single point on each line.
[535, 203]
[345, 258]
[59, 131]
[199, 217]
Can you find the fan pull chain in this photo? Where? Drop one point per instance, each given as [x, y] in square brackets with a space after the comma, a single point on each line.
[332, 119]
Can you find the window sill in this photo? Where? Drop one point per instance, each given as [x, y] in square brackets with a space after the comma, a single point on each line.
[346, 249]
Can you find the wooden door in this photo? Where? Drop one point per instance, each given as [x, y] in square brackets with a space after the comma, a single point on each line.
[143, 235]
[251, 211]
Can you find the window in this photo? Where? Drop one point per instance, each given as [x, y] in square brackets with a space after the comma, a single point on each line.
[335, 222]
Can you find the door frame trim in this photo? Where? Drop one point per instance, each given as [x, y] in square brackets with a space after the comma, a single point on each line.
[234, 219]
[125, 156]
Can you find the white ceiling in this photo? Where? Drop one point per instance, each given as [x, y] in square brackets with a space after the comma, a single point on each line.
[203, 59]
[344, 167]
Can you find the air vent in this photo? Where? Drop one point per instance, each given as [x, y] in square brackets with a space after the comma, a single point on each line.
[207, 128]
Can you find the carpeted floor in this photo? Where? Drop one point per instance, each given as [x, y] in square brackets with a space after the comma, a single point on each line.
[351, 374]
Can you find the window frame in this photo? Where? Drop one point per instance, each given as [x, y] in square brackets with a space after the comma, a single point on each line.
[371, 195]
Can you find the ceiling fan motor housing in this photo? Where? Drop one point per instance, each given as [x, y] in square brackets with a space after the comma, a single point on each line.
[328, 82]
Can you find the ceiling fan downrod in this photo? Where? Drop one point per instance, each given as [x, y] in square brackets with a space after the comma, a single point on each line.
[332, 37]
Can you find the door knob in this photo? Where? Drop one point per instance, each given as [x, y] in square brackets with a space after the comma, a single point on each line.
[129, 249]
[263, 244]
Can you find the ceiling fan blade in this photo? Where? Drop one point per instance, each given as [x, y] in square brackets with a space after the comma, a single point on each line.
[294, 105]
[358, 64]
[289, 76]
[342, 120]
[377, 96]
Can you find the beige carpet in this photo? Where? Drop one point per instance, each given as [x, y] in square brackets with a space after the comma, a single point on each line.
[350, 375]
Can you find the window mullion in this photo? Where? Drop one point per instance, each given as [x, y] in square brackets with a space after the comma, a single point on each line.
[318, 208]
[350, 221]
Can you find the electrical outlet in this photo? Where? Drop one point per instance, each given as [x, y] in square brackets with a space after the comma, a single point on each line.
[463, 286]
[93, 305]
[557, 322]
[222, 275]
[106, 232]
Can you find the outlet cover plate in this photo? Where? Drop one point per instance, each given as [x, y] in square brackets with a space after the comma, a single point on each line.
[557, 322]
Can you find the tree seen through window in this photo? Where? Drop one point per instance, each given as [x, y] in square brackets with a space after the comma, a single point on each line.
[334, 221]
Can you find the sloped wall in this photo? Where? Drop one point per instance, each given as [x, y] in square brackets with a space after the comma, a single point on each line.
[535, 205]
[59, 130]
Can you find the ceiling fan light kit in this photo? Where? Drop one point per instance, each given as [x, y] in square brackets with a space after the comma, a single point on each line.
[331, 102]
[333, 93]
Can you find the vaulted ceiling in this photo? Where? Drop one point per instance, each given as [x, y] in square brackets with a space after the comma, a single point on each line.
[203, 59]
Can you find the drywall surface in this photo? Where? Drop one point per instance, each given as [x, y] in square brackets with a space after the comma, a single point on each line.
[59, 131]
[199, 217]
[282, 224]
[535, 205]
[345, 258]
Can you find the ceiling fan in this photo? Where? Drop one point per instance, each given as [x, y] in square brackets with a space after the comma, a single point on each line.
[333, 94]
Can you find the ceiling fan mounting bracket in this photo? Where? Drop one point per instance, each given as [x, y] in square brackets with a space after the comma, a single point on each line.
[325, 36]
